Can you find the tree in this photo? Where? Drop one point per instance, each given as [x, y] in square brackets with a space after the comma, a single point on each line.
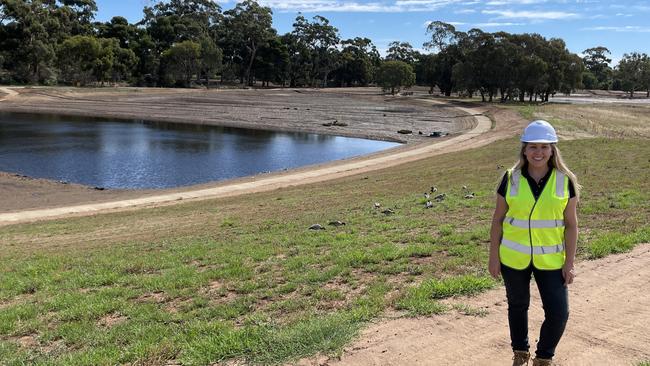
[78, 59]
[272, 62]
[597, 63]
[357, 62]
[630, 72]
[393, 75]
[401, 51]
[182, 62]
[210, 59]
[168, 23]
[249, 26]
[645, 75]
[30, 35]
[300, 62]
[442, 35]
[321, 40]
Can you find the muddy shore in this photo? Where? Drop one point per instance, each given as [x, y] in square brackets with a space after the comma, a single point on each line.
[358, 112]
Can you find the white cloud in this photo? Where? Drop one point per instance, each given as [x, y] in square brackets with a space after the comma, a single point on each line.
[627, 28]
[455, 24]
[513, 2]
[535, 15]
[487, 25]
[465, 11]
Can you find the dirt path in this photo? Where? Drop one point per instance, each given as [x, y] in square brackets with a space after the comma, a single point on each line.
[7, 93]
[480, 135]
[608, 325]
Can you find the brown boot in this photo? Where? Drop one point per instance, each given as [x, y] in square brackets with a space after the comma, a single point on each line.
[542, 362]
[520, 358]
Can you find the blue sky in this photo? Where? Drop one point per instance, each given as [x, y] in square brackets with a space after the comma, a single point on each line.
[621, 26]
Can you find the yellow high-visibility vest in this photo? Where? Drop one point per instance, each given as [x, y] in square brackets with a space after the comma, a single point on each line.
[534, 230]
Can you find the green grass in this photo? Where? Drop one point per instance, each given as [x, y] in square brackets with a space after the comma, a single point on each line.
[243, 279]
[614, 242]
[421, 300]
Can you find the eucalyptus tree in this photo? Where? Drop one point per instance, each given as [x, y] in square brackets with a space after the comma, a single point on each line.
[442, 35]
[272, 62]
[645, 75]
[394, 75]
[321, 40]
[247, 27]
[182, 62]
[300, 61]
[171, 22]
[401, 51]
[630, 71]
[119, 28]
[444, 38]
[597, 63]
[78, 59]
[358, 62]
[32, 29]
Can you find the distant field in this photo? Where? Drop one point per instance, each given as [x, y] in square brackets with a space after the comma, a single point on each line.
[244, 279]
[591, 120]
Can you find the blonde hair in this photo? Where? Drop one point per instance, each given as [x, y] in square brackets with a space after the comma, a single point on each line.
[556, 162]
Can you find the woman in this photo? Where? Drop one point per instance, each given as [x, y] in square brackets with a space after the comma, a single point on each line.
[534, 232]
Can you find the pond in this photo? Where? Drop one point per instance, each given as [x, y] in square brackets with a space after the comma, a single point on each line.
[134, 154]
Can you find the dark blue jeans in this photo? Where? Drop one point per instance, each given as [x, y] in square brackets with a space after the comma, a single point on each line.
[555, 300]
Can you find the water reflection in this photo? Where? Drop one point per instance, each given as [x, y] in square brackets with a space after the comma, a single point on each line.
[143, 154]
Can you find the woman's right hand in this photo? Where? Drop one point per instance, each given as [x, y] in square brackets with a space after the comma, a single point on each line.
[494, 266]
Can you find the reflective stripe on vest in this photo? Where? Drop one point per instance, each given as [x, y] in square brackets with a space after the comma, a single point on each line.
[533, 229]
[547, 249]
[534, 224]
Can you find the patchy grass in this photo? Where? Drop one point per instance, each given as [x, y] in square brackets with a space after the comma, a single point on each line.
[593, 120]
[421, 300]
[470, 310]
[244, 279]
[614, 242]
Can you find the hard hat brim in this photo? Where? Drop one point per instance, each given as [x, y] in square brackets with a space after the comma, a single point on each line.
[540, 141]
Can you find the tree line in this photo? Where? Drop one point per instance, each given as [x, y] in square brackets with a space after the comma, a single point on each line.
[187, 42]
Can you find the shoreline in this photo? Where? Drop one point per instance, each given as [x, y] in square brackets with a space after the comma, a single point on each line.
[84, 200]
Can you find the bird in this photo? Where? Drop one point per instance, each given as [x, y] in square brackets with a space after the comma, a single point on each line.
[388, 211]
[428, 204]
[336, 223]
[440, 197]
[377, 205]
[426, 195]
[464, 188]
[316, 227]
[468, 196]
[434, 189]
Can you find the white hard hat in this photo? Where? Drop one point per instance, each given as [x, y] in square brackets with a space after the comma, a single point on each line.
[539, 131]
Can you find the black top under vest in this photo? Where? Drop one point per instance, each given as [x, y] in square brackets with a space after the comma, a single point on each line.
[537, 188]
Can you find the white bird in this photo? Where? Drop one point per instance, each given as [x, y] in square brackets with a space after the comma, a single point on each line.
[426, 195]
[428, 204]
[377, 205]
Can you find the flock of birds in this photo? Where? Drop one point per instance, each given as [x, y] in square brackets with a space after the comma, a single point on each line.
[428, 204]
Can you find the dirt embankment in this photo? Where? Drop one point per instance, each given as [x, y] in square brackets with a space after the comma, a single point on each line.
[608, 325]
[367, 114]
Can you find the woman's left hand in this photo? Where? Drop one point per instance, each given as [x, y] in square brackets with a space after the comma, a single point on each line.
[569, 273]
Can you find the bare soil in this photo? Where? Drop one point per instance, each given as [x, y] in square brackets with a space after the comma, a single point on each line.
[608, 324]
